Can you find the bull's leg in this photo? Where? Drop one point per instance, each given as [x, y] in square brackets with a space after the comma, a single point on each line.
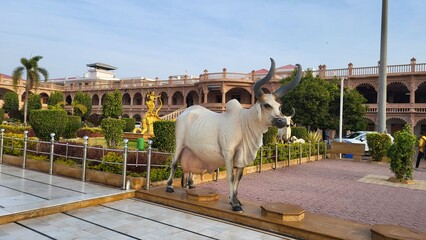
[173, 167]
[191, 180]
[184, 180]
[236, 206]
[237, 179]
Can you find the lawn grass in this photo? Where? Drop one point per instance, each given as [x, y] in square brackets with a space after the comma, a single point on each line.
[100, 141]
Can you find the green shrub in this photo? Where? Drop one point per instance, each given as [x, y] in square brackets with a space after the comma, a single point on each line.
[11, 102]
[378, 144]
[95, 119]
[313, 137]
[66, 162]
[112, 129]
[1, 115]
[90, 132]
[401, 154]
[71, 127]
[130, 124]
[299, 132]
[45, 122]
[270, 137]
[111, 162]
[164, 139]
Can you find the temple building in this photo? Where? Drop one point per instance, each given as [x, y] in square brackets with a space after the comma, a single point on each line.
[406, 90]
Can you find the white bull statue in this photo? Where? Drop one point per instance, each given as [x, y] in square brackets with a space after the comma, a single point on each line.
[284, 133]
[206, 140]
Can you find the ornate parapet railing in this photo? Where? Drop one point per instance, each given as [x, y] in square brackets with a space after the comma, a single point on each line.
[399, 108]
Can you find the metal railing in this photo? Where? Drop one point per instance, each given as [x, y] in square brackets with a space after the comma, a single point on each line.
[53, 149]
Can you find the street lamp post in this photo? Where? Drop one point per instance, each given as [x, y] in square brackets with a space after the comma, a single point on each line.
[341, 109]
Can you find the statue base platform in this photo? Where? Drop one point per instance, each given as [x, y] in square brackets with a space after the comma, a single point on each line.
[282, 211]
[202, 195]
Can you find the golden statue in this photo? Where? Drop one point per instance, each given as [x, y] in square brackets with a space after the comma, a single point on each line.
[151, 115]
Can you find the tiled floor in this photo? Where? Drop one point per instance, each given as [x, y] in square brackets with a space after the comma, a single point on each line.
[128, 219]
[23, 190]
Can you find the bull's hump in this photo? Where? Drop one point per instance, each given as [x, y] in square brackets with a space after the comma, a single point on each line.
[233, 105]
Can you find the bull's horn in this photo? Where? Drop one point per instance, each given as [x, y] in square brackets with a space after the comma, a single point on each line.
[258, 85]
[288, 87]
[293, 112]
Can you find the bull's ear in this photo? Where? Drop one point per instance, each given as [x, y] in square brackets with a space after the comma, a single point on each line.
[259, 111]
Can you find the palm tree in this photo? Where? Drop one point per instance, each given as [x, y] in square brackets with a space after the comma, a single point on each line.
[33, 77]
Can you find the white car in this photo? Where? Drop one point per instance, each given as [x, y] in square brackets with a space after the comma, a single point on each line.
[359, 137]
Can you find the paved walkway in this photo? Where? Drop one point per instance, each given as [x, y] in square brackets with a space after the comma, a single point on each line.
[339, 188]
[24, 190]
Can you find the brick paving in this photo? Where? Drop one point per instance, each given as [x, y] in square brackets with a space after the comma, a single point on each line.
[339, 188]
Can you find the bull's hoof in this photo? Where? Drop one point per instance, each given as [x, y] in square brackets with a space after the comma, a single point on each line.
[169, 190]
[237, 209]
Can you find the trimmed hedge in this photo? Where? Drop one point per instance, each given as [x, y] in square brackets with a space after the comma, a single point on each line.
[90, 132]
[378, 144]
[299, 132]
[164, 132]
[73, 124]
[113, 130]
[45, 122]
[270, 137]
[130, 124]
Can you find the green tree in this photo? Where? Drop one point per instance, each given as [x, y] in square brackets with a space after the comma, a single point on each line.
[353, 110]
[33, 71]
[317, 104]
[112, 105]
[11, 102]
[56, 100]
[34, 103]
[83, 99]
[311, 100]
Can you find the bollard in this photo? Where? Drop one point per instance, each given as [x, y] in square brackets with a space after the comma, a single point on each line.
[309, 158]
[217, 174]
[148, 167]
[83, 174]
[318, 151]
[289, 155]
[52, 148]
[276, 155]
[124, 164]
[261, 158]
[1, 145]
[325, 149]
[24, 154]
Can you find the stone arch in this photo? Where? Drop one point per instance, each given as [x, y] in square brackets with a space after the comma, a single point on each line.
[103, 99]
[3, 91]
[241, 94]
[397, 92]
[23, 95]
[126, 100]
[177, 98]
[192, 98]
[368, 91]
[44, 97]
[214, 95]
[371, 125]
[394, 124]
[68, 100]
[137, 99]
[420, 125]
[420, 93]
[164, 98]
[95, 100]
[137, 117]
[125, 115]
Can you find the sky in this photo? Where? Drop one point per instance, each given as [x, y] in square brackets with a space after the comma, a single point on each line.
[152, 38]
